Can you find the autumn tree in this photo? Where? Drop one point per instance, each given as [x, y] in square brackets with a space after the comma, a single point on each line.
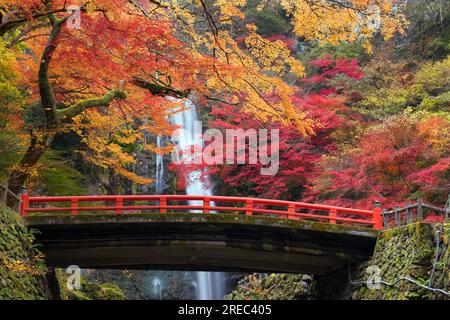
[162, 48]
[324, 95]
[404, 157]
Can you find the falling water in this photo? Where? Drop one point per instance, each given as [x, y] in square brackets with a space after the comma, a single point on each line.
[210, 285]
[157, 288]
[159, 169]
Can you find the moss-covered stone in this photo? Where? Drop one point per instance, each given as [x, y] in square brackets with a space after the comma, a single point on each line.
[442, 273]
[273, 287]
[22, 269]
[89, 290]
[406, 252]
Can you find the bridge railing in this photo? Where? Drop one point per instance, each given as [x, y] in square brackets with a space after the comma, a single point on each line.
[201, 204]
[5, 193]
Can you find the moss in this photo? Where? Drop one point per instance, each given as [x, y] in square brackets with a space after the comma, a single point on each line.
[406, 251]
[58, 177]
[442, 275]
[403, 251]
[273, 287]
[89, 290]
[22, 268]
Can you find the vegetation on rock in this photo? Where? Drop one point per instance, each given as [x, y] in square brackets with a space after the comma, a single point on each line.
[22, 267]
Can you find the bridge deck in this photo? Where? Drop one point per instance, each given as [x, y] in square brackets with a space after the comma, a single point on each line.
[209, 242]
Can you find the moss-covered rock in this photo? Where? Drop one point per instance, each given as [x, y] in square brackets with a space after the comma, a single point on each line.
[273, 287]
[442, 273]
[403, 252]
[89, 290]
[22, 269]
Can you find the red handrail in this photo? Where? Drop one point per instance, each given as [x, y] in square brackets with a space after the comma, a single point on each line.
[248, 206]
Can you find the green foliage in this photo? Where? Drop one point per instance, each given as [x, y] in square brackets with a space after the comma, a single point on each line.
[269, 23]
[344, 50]
[433, 78]
[58, 178]
[390, 89]
[384, 102]
[8, 91]
[34, 116]
[10, 100]
[21, 265]
[440, 102]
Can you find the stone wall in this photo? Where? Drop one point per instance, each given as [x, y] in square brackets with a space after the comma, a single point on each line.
[407, 251]
[22, 269]
[442, 274]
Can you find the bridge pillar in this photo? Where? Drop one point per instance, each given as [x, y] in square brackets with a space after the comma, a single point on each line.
[23, 203]
[377, 216]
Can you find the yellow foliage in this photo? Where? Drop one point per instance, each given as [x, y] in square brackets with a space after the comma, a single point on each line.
[21, 266]
[201, 46]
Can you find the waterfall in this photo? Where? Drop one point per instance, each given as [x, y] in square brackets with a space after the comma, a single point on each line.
[157, 288]
[159, 169]
[210, 285]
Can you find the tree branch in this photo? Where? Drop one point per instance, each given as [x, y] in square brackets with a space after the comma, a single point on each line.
[160, 90]
[80, 106]
[7, 25]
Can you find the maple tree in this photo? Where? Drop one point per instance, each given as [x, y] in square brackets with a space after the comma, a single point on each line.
[162, 48]
[405, 155]
[322, 94]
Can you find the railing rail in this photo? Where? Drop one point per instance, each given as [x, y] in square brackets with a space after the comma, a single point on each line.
[203, 204]
[5, 193]
[417, 211]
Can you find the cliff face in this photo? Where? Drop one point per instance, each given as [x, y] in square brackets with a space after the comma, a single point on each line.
[22, 268]
[400, 253]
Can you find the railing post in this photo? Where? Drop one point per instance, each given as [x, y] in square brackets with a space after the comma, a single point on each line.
[397, 216]
[377, 219]
[332, 216]
[206, 203]
[408, 214]
[74, 206]
[447, 209]
[4, 194]
[249, 207]
[23, 203]
[420, 209]
[163, 204]
[119, 203]
[385, 219]
[291, 209]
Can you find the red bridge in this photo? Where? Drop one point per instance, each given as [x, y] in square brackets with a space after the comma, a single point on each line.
[182, 232]
[209, 204]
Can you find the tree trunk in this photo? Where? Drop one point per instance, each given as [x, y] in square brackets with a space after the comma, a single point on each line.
[22, 169]
[53, 288]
